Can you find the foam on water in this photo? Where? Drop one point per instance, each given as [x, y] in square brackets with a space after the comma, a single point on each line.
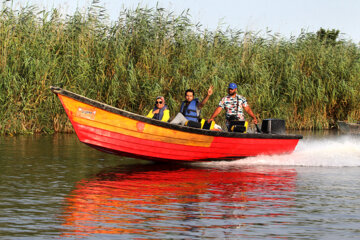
[339, 151]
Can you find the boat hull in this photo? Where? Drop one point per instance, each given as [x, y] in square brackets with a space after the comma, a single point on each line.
[120, 132]
[349, 128]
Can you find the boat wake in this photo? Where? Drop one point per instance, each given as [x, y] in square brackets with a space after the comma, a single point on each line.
[339, 151]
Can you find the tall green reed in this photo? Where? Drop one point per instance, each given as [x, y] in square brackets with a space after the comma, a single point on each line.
[151, 52]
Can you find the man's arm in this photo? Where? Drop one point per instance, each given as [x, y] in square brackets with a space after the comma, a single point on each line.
[248, 110]
[216, 112]
[209, 93]
[150, 114]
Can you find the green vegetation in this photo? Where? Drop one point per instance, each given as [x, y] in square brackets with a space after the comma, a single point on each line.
[311, 81]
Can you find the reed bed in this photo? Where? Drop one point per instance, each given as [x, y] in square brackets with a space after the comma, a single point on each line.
[309, 82]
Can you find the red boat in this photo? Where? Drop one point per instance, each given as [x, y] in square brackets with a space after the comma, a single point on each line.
[143, 197]
[117, 131]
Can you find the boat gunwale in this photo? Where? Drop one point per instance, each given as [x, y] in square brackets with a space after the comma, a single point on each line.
[111, 109]
[353, 124]
[349, 127]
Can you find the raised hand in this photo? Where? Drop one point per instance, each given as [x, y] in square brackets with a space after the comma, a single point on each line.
[210, 91]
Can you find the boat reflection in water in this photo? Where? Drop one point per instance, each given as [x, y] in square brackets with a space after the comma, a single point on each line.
[165, 201]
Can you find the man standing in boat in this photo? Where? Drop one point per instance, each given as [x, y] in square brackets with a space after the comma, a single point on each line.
[234, 104]
[190, 108]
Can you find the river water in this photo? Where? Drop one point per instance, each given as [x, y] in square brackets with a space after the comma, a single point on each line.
[54, 187]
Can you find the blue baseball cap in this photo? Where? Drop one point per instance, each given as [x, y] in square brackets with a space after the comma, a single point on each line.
[232, 85]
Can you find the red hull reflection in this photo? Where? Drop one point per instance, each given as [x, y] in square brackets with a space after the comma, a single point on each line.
[170, 201]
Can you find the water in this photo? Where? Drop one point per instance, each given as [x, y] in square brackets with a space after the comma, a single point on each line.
[53, 187]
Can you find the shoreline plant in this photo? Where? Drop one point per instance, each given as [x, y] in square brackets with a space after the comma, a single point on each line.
[311, 81]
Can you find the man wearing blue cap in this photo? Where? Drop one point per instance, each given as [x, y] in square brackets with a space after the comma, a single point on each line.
[234, 105]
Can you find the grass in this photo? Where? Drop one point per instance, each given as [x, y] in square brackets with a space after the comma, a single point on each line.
[149, 52]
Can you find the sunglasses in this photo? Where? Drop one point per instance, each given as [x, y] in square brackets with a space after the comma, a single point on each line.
[158, 102]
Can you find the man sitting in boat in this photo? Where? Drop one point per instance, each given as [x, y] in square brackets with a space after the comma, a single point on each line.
[160, 111]
[191, 107]
[234, 104]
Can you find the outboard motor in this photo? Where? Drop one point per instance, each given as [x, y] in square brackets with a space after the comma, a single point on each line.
[273, 126]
